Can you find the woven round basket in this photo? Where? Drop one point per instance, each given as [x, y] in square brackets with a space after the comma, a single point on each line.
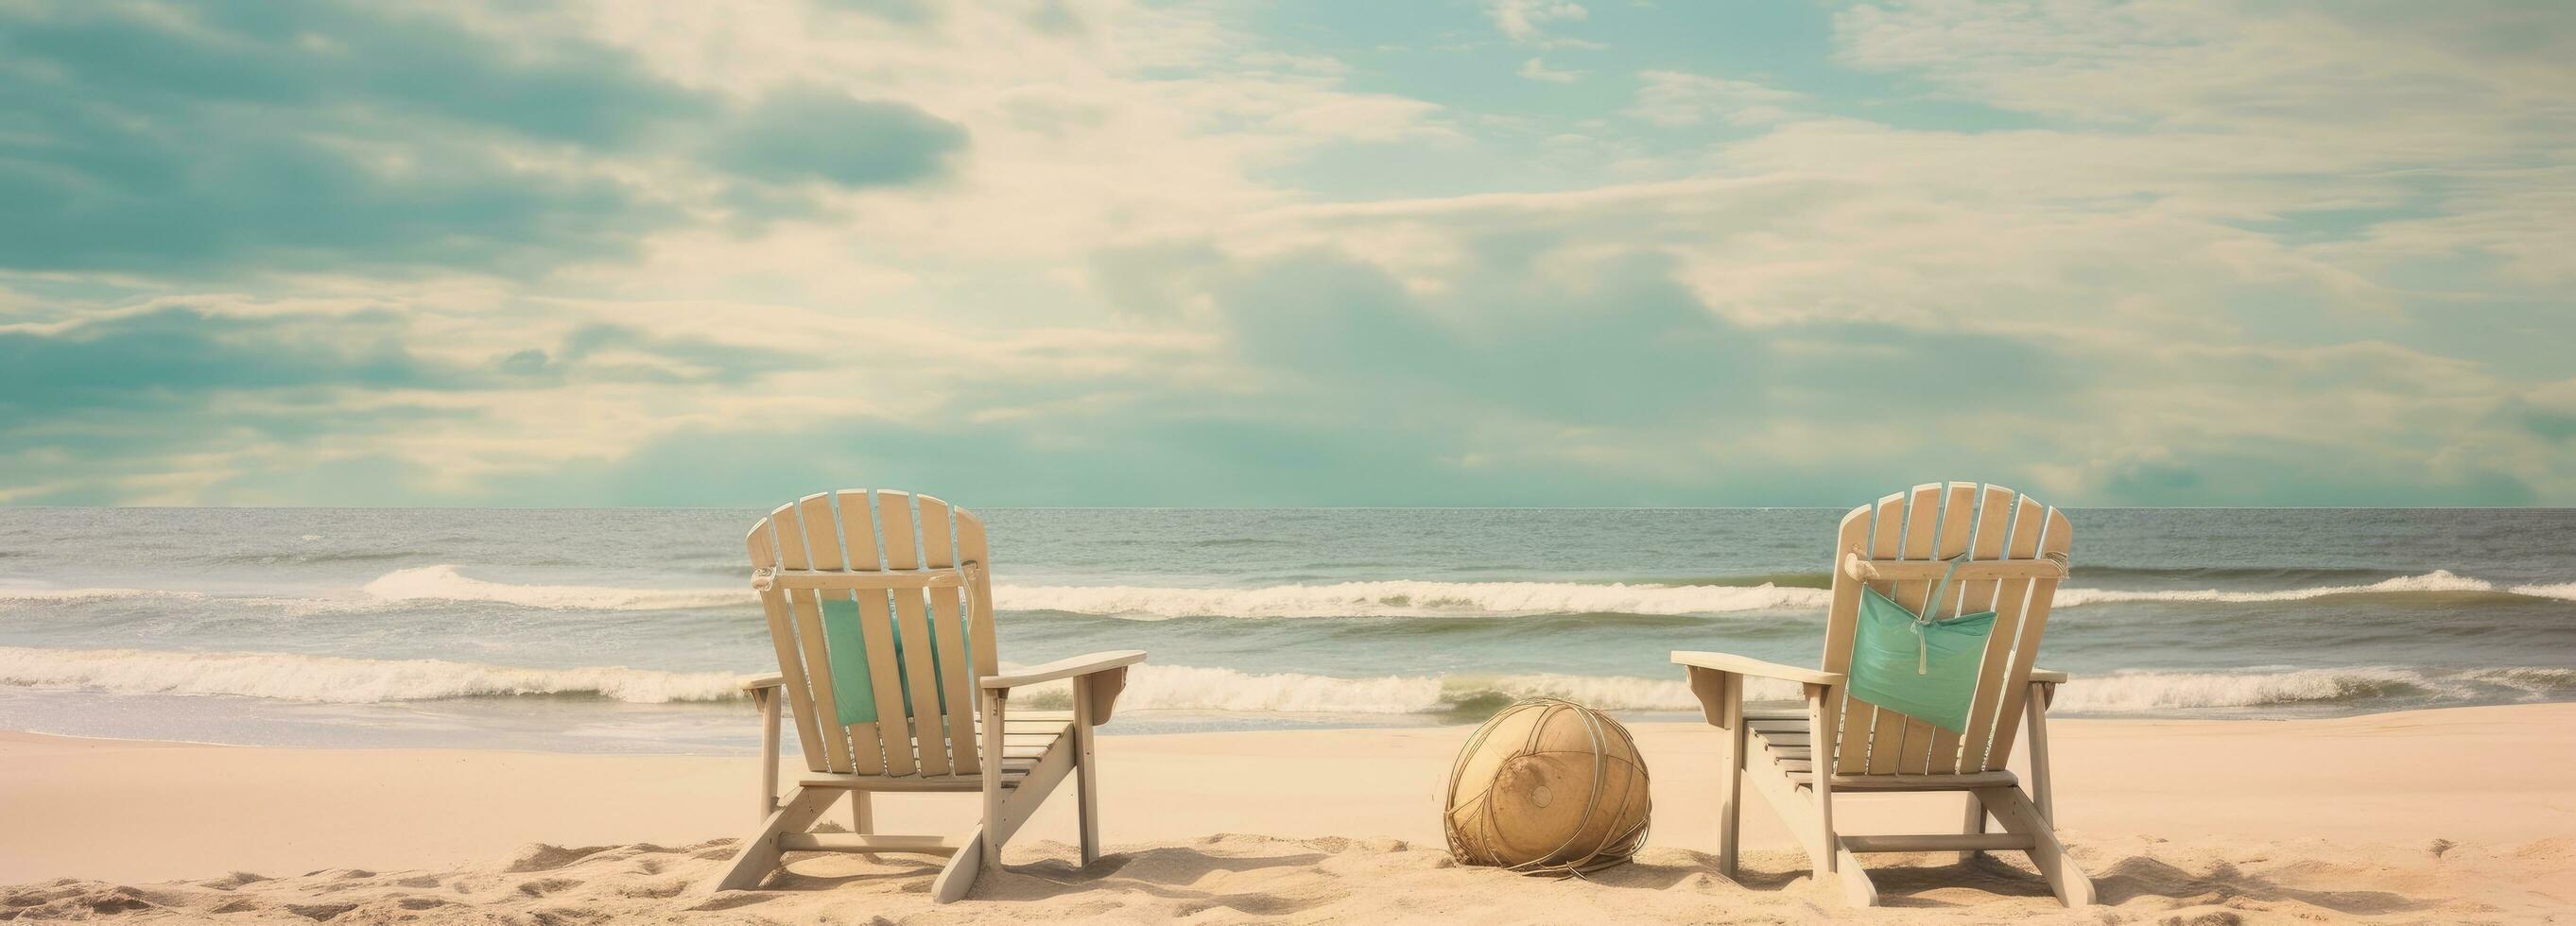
[1548, 787]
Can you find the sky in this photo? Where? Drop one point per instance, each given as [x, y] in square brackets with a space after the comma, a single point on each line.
[1508, 252]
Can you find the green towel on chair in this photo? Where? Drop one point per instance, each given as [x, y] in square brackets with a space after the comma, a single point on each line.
[1923, 669]
[854, 691]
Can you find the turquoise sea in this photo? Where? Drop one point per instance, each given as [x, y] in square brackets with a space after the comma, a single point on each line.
[623, 629]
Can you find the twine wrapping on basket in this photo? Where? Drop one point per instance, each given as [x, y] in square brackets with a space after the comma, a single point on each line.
[1554, 788]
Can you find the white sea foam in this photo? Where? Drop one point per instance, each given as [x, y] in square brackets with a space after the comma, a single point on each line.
[442, 583]
[336, 680]
[2137, 692]
[2563, 591]
[52, 595]
[1406, 599]
[2439, 580]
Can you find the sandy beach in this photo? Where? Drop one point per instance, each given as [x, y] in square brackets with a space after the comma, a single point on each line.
[2453, 815]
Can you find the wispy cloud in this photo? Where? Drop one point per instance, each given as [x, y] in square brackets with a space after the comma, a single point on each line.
[1536, 69]
[1675, 98]
[1527, 21]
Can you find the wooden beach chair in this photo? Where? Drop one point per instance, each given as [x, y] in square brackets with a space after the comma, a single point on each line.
[1800, 758]
[886, 662]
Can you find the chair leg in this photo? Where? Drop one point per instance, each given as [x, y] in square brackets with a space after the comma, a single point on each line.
[1857, 889]
[2036, 716]
[1799, 811]
[863, 813]
[994, 702]
[1730, 806]
[767, 700]
[758, 855]
[1820, 730]
[1975, 824]
[1086, 773]
[2020, 817]
[958, 876]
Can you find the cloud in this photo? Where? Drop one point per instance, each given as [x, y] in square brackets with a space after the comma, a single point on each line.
[306, 135]
[133, 402]
[904, 12]
[315, 136]
[1675, 98]
[1538, 70]
[1525, 21]
[173, 357]
[806, 134]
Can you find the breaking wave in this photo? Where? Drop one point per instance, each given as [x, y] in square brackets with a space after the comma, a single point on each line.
[2133, 692]
[2437, 581]
[337, 680]
[442, 583]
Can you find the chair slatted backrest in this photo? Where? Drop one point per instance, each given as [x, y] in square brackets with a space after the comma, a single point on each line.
[1930, 523]
[913, 652]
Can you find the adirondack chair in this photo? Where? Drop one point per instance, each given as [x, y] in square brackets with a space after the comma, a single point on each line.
[886, 659]
[1800, 758]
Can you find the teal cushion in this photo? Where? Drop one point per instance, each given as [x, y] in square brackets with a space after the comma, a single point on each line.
[854, 693]
[1922, 669]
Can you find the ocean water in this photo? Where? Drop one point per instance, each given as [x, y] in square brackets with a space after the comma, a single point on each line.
[624, 630]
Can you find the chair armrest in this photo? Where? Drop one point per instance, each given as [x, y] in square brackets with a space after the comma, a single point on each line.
[1728, 662]
[1064, 668]
[765, 681]
[2048, 676]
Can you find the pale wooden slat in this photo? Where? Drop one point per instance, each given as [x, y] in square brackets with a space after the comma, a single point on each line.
[1958, 518]
[1852, 535]
[864, 842]
[886, 784]
[849, 549]
[893, 733]
[894, 525]
[843, 581]
[1993, 524]
[979, 622]
[2028, 519]
[921, 670]
[1886, 541]
[782, 638]
[870, 743]
[948, 629]
[1922, 534]
[2059, 538]
[1850, 783]
[858, 529]
[822, 538]
[1916, 571]
[793, 536]
[1937, 842]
